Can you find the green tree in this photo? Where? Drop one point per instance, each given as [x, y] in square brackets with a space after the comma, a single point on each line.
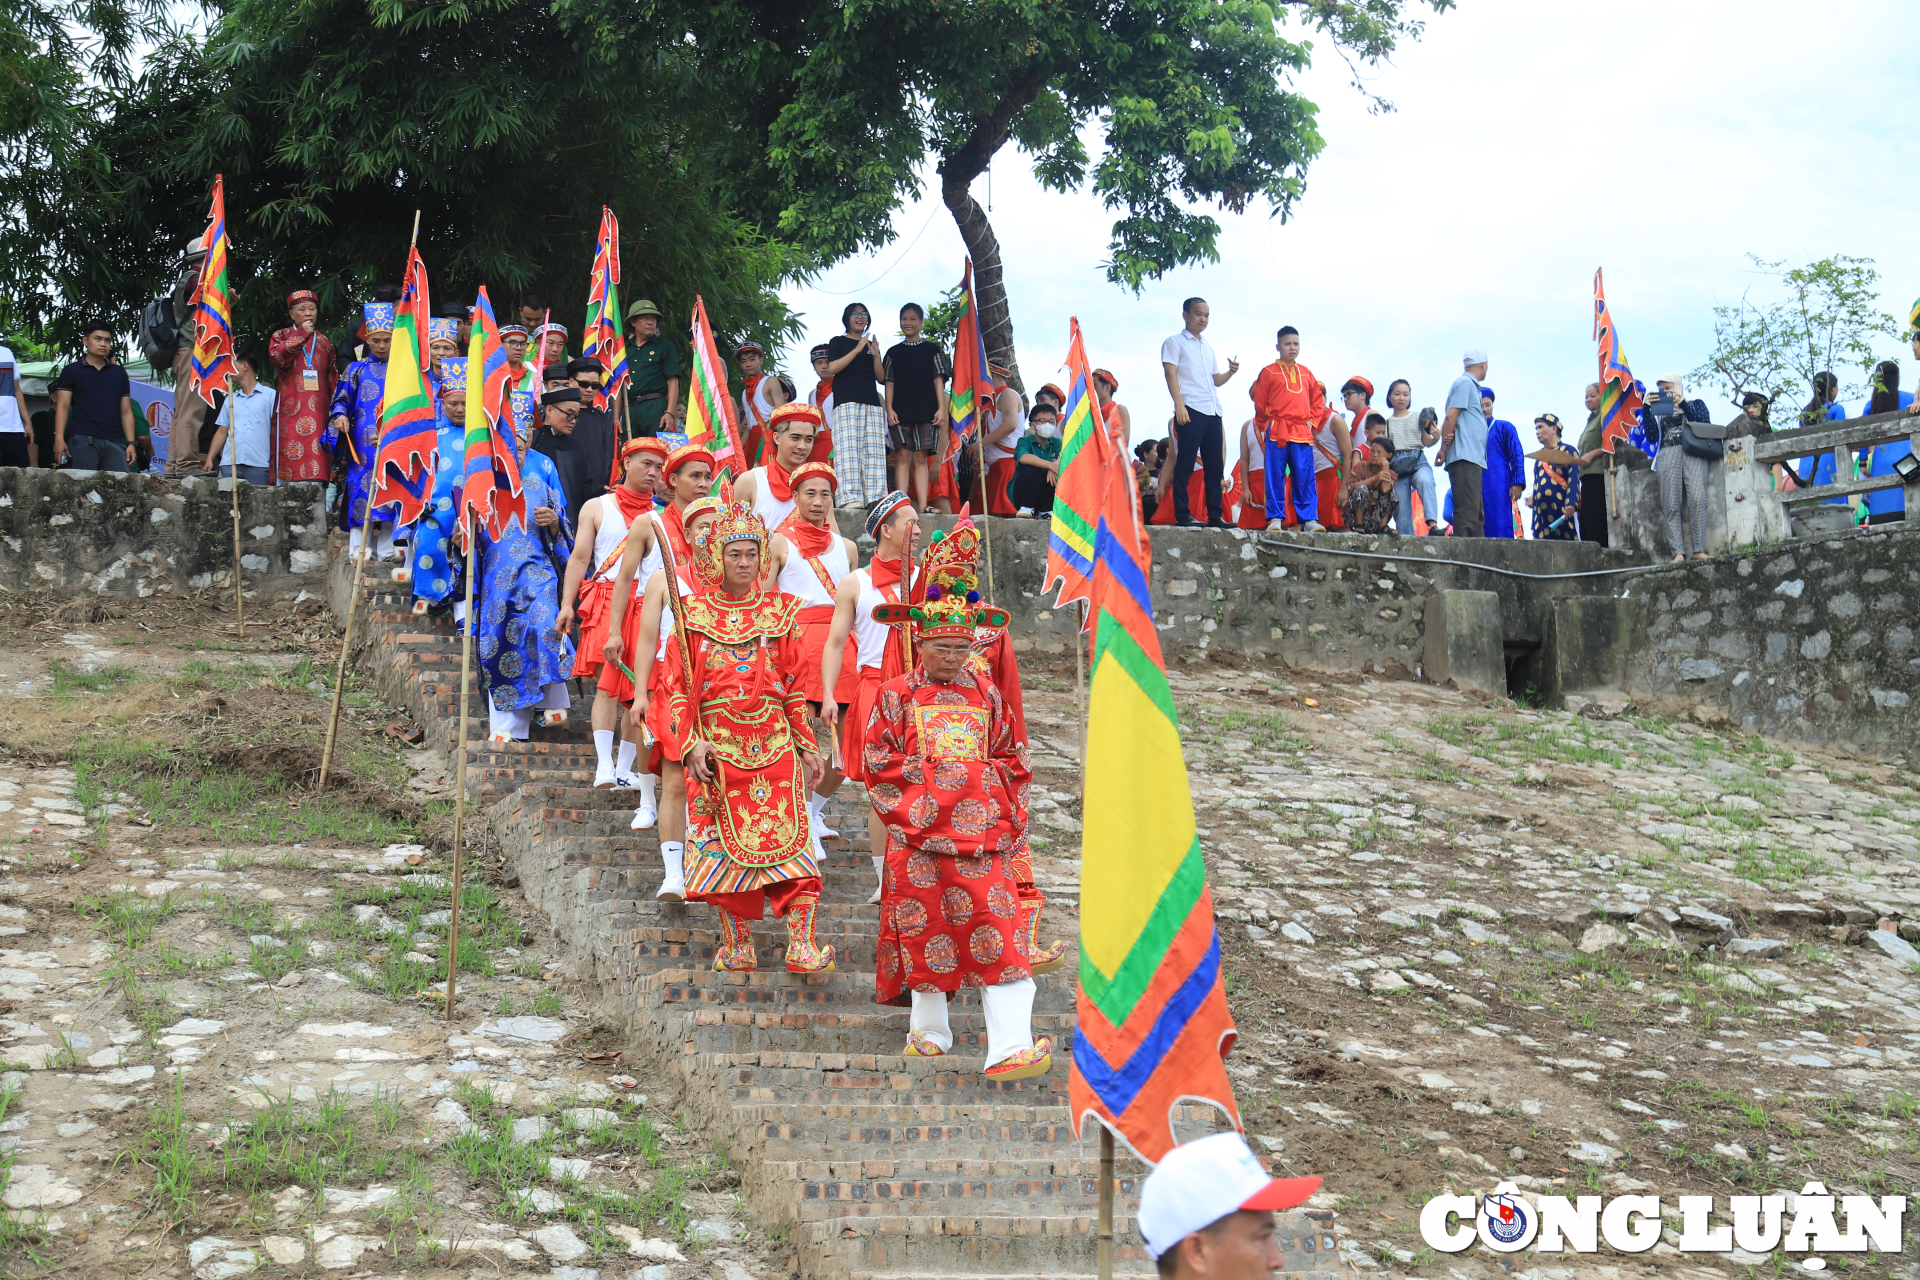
[1827, 319]
[1187, 100]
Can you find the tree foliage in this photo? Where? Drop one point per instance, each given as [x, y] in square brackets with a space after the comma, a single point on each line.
[1825, 319]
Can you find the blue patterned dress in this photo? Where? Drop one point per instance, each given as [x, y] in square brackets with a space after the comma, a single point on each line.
[437, 562]
[357, 399]
[519, 607]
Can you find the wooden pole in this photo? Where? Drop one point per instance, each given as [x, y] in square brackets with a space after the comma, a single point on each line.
[986, 500]
[346, 644]
[1103, 1238]
[460, 773]
[239, 598]
[1080, 687]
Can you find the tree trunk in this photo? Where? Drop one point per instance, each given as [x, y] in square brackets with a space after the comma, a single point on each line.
[957, 173]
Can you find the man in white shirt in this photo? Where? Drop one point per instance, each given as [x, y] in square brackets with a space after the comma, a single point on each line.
[16, 431]
[245, 426]
[1191, 370]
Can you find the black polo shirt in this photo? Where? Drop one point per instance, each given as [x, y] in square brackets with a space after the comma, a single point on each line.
[97, 393]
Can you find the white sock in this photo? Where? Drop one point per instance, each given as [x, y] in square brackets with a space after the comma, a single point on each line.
[671, 852]
[603, 747]
[929, 1018]
[815, 803]
[647, 780]
[627, 752]
[1009, 1010]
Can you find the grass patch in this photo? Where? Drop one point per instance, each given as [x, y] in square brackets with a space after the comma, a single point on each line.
[69, 680]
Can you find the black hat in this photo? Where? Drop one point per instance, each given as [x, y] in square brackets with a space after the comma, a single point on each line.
[454, 310]
[584, 364]
[565, 395]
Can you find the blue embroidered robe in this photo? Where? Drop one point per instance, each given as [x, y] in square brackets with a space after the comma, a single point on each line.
[357, 399]
[1506, 467]
[437, 562]
[519, 605]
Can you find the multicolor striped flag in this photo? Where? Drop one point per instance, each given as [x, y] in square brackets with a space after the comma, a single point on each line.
[213, 306]
[403, 469]
[710, 418]
[491, 488]
[972, 389]
[1621, 398]
[601, 338]
[1153, 1028]
[1079, 491]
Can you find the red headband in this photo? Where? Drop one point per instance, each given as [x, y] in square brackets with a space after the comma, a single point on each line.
[645, 444]
[302, 295]
[808, 470]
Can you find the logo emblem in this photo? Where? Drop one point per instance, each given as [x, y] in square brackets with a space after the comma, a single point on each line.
[1507, 1222]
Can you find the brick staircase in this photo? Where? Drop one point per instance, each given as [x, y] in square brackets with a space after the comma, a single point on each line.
[879, 1167]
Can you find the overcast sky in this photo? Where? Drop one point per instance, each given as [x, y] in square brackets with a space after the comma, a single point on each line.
[1532, 143]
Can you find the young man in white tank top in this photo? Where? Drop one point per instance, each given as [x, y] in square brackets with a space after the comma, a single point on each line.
[687, 472]
[605, 527]
[808, 560]
[790, 430]
[896, 530]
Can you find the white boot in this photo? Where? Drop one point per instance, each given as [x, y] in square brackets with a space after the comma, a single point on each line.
[674, 887]
[816, 807]
[879, 876]
[603, 749]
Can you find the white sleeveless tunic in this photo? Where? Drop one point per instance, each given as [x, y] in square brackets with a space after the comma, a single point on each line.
[798, 579]
[765, 505]
[608, 539]
[869, 636]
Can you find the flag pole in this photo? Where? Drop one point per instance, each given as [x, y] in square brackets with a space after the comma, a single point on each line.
[986, 532]
[1080, 688]
[1103, 1238]
[359, 563]
[233, 474]
[460, 771]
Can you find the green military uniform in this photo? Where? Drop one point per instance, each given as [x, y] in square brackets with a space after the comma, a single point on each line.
[649, 365]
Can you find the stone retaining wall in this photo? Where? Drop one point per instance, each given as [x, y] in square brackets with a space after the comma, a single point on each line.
[73, 532]
[1812, 639]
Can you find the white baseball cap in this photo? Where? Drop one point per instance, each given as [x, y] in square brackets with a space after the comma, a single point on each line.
[1475, 355]
[1203, 1181]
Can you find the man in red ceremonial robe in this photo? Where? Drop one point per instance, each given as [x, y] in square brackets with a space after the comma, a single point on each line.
[607, 524]
[735, 713]
[810, 560]
[687, 472]
[948, 776]
[895, 529]
[303, 360]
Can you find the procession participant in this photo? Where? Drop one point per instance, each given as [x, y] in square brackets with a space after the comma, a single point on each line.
[951, 569]
[442, 345]
[653, 371]
[552, 337]
[514, 341]
[525, 656]
[598, 542]
[735, 714]
[436, 565]
[1118, 419]
[303, 362]
[652, 643]
[561, 409]
[594, 429]
[949, 776]
[752, 359]
[354, 432]
[822, 393]
[686, 472]
[1288, 404]
[533, 309]
[461, 315]
[1006, 422]
[810, 559]
[768, 488]
[895, 528]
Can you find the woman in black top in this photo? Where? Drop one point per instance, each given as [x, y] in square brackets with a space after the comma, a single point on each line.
[859, 417]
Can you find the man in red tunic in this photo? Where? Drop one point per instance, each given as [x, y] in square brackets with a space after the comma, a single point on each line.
[733, 700]
[948, 776]
[304, 360]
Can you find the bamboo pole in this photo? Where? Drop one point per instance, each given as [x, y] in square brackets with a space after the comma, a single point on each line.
[239, 598]
[460, 772]
[1103, 1237]
[1613, 491]
[346, 645]
[986, 500]
[1080, 688]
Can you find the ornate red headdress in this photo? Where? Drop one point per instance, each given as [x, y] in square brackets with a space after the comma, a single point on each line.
[735, 522]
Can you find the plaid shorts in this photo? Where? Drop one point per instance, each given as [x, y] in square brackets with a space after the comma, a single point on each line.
[860, 452]
[915, 436]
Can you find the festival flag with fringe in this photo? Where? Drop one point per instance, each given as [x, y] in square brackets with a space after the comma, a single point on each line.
[1152, 1028]
[491, 487]
[710, 419]
[601, 337]
[212, 361]
[404, 467]
[1621, 398]
[1079, 490]
[972, 389]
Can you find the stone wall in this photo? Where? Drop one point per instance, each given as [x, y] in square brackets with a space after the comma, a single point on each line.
[140, 535]
[1811, 639]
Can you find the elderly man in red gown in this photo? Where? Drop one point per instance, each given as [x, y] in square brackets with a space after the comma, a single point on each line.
[737, 718]
[948, 775]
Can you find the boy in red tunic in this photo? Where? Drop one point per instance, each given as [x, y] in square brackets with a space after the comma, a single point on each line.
[948, 776]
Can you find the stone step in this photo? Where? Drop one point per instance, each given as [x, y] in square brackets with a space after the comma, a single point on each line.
[770, 989]
[1061, 1186]
[890, 1078]
[884, 1031]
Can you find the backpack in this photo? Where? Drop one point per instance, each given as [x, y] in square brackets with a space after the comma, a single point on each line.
[159, 335]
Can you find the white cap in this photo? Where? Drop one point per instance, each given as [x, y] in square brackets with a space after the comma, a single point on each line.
[1202, 1182]
[1475, 355]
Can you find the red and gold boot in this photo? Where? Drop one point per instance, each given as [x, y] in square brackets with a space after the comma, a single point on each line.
[735, 953]
[1026, 936]
[804, 953]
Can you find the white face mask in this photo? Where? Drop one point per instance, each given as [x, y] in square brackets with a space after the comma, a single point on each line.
[1046, 430]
